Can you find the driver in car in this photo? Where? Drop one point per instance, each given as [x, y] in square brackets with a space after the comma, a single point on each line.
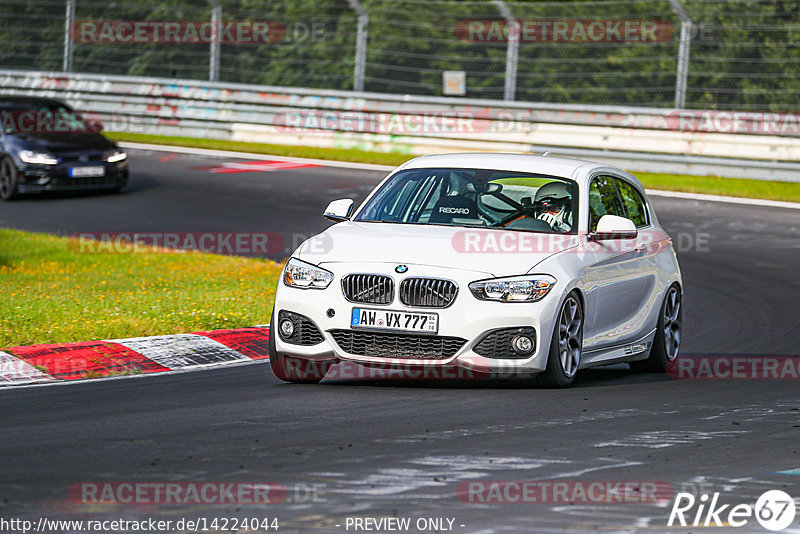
[553, 205]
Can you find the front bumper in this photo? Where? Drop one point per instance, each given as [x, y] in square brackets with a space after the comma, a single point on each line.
[42, 178]
[467, 319]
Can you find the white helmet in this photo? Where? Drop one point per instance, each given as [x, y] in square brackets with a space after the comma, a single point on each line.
[553, 204]
[552, 191]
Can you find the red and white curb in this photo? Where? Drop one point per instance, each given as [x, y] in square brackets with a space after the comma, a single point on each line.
[141, 355]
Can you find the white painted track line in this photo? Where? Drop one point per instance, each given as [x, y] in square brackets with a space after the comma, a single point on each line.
[387, 168]
[720, 198]
[250, 155]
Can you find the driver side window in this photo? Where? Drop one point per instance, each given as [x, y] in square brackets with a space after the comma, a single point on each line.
[603, 200]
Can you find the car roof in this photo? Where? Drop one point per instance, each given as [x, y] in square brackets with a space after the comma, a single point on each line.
[552, 165]
[548, 165]
[36, 100]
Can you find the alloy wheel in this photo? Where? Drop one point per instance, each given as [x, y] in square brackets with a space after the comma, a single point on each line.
[570, 334]
[672, 323]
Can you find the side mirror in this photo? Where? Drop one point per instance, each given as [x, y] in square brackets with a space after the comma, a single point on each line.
[339, 210]
[94, 125]
[92, 121]
[613, 227]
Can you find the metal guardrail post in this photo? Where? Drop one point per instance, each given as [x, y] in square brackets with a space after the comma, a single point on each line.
[361, 45]
[68, 21]
[512, 49]
[214, 52]
[682, 75]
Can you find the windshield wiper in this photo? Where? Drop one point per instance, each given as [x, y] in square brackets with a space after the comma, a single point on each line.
[390, 221]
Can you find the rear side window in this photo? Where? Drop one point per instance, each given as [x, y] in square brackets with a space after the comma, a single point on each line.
[633, 202]
[603, 200]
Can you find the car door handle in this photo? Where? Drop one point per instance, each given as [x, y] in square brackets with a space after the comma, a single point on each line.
[640, 247]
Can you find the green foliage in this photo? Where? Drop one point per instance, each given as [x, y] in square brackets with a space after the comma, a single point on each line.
[744, 55]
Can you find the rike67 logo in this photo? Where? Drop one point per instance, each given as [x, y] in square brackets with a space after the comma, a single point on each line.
[774, 510]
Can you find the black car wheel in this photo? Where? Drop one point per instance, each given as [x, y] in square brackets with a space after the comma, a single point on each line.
[566, 346]
[8, 179]
[667, 342]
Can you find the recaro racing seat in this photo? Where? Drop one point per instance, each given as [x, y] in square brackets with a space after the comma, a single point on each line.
[452, 207]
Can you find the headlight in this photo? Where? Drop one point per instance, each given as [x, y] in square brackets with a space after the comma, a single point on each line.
[38, 158]
[525, 288]
[114, 157]
[304, 275]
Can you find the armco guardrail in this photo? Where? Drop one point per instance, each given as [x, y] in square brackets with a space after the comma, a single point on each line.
[642, 139]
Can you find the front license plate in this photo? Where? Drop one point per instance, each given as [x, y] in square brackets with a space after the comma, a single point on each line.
[427, 323]
[87, 172]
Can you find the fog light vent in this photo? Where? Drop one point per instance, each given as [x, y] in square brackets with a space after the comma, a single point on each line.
[297, 329]
[519, 342]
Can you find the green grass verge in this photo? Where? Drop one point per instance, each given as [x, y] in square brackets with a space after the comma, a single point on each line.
[710, 185]
[715, 185]
[51, 293]
[336, 154]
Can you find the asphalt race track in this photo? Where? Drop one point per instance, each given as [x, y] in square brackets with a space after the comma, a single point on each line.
[389, 448]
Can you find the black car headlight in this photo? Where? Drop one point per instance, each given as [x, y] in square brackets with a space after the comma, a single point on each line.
[37, 158]
[525, 288]
[304, 275]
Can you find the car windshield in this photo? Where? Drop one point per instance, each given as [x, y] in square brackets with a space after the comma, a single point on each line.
[476, 197]
[21, 117]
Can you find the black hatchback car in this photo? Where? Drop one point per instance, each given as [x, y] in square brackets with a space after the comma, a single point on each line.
[47, 146]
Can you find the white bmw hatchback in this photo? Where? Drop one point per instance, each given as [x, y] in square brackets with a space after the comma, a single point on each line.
[502, 264]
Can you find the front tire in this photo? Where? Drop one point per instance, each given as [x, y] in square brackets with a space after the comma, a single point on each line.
[566, 346]
[667, 342]
[8, 179]
[291, 369]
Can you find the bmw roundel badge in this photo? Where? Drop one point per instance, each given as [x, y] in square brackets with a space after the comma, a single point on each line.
[401, 268]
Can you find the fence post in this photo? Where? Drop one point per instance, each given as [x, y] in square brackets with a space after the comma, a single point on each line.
[361, 45]
[68, 21]
[512, 49]
[682, 75]
[213, 59]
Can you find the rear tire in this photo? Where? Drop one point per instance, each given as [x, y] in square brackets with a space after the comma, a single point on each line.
[667, 342]
[291, 369]
[566, 346]
[8, 179]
